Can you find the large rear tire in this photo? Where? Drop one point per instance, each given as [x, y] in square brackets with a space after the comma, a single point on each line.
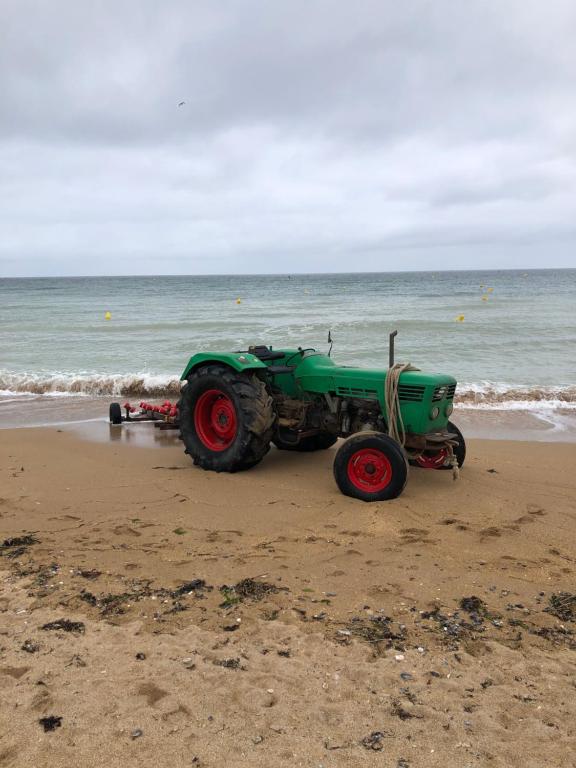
[319, 442]
[371, 468]
[226, 418]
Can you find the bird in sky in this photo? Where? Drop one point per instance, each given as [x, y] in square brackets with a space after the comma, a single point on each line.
[181, 103]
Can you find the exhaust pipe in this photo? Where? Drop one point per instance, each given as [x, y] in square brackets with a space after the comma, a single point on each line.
[391, 348]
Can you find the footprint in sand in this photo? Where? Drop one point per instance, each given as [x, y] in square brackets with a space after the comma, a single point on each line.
[42, 701]
[15, 672]
[458, 524]
[415, 536]
[125, 530]
[524, 519]
[181, 713]
[491, 532]
[378, 589]
[8, 756]
[152, 693]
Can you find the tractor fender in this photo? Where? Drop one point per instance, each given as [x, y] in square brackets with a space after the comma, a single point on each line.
[238, 361]
[363, 433]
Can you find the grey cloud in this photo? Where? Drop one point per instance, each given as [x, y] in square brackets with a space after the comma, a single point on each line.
[310, 130]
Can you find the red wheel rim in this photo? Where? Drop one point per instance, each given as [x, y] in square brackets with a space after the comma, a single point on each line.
[434, 461]
[369, 470]
[215, 420]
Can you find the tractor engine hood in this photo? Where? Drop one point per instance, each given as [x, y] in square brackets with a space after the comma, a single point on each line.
[318, 373]
[425, 398]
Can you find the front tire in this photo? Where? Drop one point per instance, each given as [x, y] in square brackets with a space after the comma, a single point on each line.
[371, 468]
[226, 418]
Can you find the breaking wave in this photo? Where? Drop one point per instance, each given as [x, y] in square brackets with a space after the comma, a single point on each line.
[485, 395]
[88, 384]
[508, 397]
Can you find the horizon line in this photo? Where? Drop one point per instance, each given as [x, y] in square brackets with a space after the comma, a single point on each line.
[287, 274]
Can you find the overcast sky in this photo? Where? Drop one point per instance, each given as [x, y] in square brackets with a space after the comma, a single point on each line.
[314, 136]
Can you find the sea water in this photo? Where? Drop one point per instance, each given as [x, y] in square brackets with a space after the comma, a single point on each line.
[509, 337]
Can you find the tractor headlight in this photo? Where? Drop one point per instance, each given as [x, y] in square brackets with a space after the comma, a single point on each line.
[449, 409]
[434, 413]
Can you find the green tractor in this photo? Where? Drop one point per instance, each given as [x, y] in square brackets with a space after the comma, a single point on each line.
[235, 404]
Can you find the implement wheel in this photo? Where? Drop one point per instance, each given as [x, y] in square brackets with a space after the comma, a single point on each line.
[115, 412]
[371, 468]
[317, 442]
[437, 460]
[226, 418]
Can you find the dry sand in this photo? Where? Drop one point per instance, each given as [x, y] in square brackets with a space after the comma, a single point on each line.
[351, 648]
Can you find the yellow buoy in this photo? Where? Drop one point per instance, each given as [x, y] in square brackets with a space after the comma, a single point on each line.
[460, 319]
[484, 298]
[238, 301]
[490, 290]
[108, 316]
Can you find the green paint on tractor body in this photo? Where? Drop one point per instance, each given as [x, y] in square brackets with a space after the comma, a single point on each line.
[425, 398]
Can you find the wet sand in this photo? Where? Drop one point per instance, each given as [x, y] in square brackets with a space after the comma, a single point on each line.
[89, 416]
[263, 619]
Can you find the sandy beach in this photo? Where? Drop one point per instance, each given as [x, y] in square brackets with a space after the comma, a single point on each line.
[155, 614]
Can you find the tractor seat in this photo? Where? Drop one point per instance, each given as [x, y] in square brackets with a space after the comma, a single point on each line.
[265, 353]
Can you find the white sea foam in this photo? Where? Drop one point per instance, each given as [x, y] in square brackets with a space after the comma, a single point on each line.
[500, 396]
[479, 395]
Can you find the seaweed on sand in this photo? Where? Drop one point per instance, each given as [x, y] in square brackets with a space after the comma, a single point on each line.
[376, 629]
[17, 545]
[77, 627]
[473, 604]
[50, 723]
[116, 603]
[19, 541]
[189, 587]
[563, 606]
[247, 589]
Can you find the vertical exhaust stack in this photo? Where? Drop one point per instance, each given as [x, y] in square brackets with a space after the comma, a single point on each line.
[391, 349]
